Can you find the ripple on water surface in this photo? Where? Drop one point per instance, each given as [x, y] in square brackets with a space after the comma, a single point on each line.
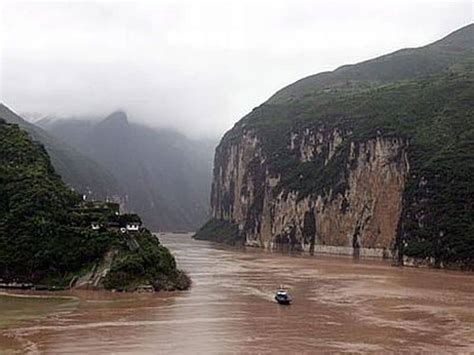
[340, 305]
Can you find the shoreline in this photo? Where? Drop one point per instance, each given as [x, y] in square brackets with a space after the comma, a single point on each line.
[368, 255]
[42, 295]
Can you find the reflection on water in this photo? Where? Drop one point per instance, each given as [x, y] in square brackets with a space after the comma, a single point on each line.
[340, 305]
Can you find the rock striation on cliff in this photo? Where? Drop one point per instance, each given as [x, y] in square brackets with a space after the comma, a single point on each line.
[373, 159]
[359, 215]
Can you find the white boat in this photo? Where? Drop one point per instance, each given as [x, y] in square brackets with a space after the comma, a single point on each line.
[282, 296]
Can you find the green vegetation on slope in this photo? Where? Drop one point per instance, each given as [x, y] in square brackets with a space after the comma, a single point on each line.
[220, 231]
[400, 65]
[46, 238]
[151, 264]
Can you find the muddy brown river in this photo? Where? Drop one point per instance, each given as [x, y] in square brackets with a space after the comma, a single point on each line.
[340, 305]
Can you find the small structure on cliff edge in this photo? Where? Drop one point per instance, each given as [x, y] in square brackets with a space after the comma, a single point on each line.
[100, 214]
[133, 226]
[130, 221]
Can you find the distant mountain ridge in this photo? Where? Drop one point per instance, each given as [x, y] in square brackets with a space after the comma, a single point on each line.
[162, 175]
[78, 171]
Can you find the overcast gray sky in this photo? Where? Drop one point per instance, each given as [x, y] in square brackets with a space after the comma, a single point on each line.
[200, 65]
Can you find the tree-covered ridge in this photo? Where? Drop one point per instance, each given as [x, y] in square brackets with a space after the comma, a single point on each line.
[46, 236]
[403, 64]
[424, 96]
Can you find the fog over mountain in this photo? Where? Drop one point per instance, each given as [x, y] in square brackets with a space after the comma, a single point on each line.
[161, 174]
[196, 66]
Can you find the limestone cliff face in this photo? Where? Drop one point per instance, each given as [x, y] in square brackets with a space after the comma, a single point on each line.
[358, 213]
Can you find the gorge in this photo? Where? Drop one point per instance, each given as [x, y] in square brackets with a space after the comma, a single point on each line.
[372, 159]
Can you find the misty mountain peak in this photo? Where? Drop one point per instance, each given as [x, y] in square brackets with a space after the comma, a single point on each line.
[117, 118]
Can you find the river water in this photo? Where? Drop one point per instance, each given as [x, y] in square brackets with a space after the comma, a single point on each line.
[340, 305]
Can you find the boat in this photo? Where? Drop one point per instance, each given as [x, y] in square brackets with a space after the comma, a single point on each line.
[282, 296]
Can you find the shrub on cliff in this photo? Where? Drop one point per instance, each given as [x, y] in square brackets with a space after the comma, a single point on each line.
[220, 231]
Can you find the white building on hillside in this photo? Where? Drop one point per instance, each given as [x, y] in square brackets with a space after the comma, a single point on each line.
[133, 226]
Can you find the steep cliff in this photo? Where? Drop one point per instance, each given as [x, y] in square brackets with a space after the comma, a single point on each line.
[373, 159]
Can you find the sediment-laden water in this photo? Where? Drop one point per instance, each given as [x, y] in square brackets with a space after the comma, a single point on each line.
[340, 305]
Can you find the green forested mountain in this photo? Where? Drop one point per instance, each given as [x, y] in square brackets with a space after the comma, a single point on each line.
[342, 141]
[78, 171]
[46, 236]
